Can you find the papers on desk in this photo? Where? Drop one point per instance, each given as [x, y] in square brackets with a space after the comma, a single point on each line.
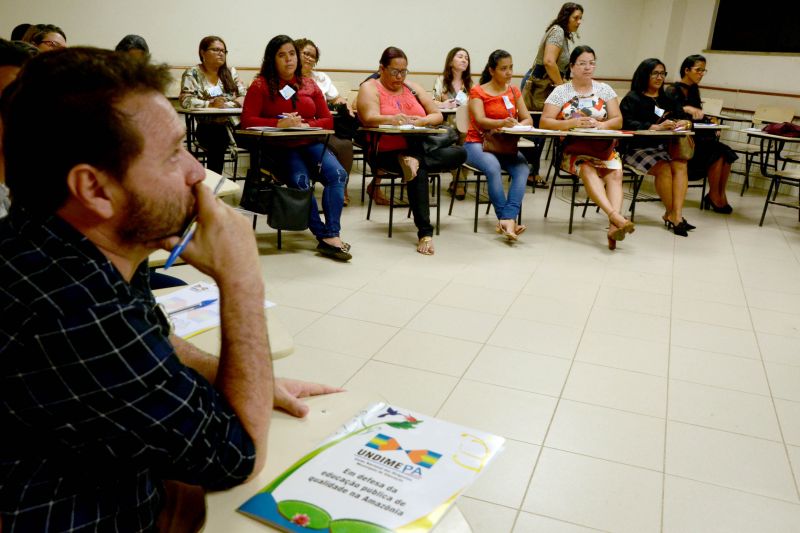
[703, 125]
[527, 129]
[289, 128]
[402, 127]
[598, 131]
[753, 130]
[387, 469]
[190, 311]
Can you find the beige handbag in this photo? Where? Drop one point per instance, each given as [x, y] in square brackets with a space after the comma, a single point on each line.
[536, 92]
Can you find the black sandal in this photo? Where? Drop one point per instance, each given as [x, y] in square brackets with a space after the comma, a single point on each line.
[335, 252]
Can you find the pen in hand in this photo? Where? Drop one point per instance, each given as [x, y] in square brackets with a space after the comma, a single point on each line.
[188, 233]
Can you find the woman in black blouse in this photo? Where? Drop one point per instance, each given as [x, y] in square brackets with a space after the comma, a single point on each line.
[646, 107]
[710, 155]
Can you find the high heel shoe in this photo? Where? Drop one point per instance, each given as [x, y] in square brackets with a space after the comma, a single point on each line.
[618, 231]
[689, 227]
[677, 229]
[510, 235]
[723, 209]
[612, 243]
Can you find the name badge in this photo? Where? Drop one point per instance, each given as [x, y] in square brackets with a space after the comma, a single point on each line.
[287, 92]
[658, 111]
[507, 102]
[215, 91]
[583, 103]
[461, 98]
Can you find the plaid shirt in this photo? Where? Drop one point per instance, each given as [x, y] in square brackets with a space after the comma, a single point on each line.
[95, 407]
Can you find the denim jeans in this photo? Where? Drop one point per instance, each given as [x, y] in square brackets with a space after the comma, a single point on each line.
[298, 166]
[506, 208]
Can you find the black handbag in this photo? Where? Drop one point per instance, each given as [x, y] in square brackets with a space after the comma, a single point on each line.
[286, 208]
[432, 143]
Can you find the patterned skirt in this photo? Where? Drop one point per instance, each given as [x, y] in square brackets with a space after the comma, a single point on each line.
[572, 162]
[644, 159]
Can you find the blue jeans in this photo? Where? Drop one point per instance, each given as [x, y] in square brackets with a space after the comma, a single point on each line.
[298, 166]
[506, 208]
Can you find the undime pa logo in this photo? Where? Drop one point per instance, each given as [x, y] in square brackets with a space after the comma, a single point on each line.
[385, 443]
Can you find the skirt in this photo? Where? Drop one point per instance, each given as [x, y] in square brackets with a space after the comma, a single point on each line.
[646, 158]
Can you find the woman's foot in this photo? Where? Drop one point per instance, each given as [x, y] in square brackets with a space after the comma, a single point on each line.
[375, 193]
[519, 229]
[506, 228]
[457, 190]
[678, 229]
[612, 243]
[334, 248]
[409, 166]
[346, 199]
[619, 226]
[425, 246]
[724, 209]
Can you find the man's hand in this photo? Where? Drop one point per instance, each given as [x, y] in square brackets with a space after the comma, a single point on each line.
[289, 391]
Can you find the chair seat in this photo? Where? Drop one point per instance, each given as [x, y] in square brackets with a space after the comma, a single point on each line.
[788, 174]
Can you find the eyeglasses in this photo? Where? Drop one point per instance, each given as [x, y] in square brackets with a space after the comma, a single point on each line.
[309, 56]
[584, 64]
[700, 70]
[658, 74]
[398, 73]
[217, 51]
[52, 44]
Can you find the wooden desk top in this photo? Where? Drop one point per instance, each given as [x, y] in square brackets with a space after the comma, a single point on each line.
[286, 133]
[289, 439]
[229, 187]
[397, 130]
[662, 133]
[224, 111]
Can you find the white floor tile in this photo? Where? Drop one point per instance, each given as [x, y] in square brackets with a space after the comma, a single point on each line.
[784, 380]
[486, 300]
[484, 517]
[507, 476]
[378, 308]
[637, 355]
[737, 412]
[346, 336]
[735, 461]
[693, 506]
[314, 364]
[716, 339]
[517, 415]
[719, 314]
[618, 389]
[718, 370]
[413, 389]
[629, 324]
[425, 351]
[531, 372]
[457, 323]
[595, 493]
[608, 434]
[533, 523]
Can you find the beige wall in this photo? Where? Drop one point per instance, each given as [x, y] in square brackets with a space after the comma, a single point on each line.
[352, 34]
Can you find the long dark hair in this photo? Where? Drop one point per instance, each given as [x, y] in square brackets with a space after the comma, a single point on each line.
[641, 77]
[491, 63]
[466, 76]
[562, 19]
[689, 62]
[268, 70]
[223, 72]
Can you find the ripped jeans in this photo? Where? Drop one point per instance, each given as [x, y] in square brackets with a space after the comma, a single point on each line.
[297, 166]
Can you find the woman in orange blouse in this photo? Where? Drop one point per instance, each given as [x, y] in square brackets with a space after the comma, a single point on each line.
[495, 104]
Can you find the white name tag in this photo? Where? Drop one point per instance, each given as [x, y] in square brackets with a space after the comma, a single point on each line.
[461, 98]
[507, 102]
[659, 112]
[287, 92]
[585, 102]
[215, 91]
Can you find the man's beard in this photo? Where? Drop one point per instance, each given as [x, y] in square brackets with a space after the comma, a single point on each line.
[148, 220]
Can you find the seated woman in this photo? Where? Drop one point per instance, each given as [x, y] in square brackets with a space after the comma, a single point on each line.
[212, 84]
[711, 157]
[450, 90]
[585, 103]
[390, 99]
[280, 96]
[46, 37]
[342, 148]
[646, 107]
[495, 104]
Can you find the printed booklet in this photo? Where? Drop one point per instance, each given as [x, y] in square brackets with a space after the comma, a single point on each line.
[385, 470]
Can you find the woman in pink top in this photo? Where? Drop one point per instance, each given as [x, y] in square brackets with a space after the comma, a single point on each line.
[281, 97]
[495, 104]
[390, 99]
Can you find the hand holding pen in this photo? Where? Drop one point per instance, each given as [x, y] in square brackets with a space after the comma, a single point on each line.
[290, 120]
[188, 233]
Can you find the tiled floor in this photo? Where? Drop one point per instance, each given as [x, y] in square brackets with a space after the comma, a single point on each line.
[654, 388]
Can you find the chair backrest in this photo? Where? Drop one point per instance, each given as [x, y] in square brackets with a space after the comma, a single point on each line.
[772, 114]
[712, 106]
[462, 118]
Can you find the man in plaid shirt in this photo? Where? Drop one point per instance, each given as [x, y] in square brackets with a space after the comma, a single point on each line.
[110, 423]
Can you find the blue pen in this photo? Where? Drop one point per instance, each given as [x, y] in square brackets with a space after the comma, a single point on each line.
[204, 303]
[187, 234]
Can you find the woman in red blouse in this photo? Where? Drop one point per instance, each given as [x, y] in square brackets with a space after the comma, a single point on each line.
[281, 97]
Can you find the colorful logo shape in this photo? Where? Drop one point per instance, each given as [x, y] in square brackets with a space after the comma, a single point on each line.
[385, 443]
